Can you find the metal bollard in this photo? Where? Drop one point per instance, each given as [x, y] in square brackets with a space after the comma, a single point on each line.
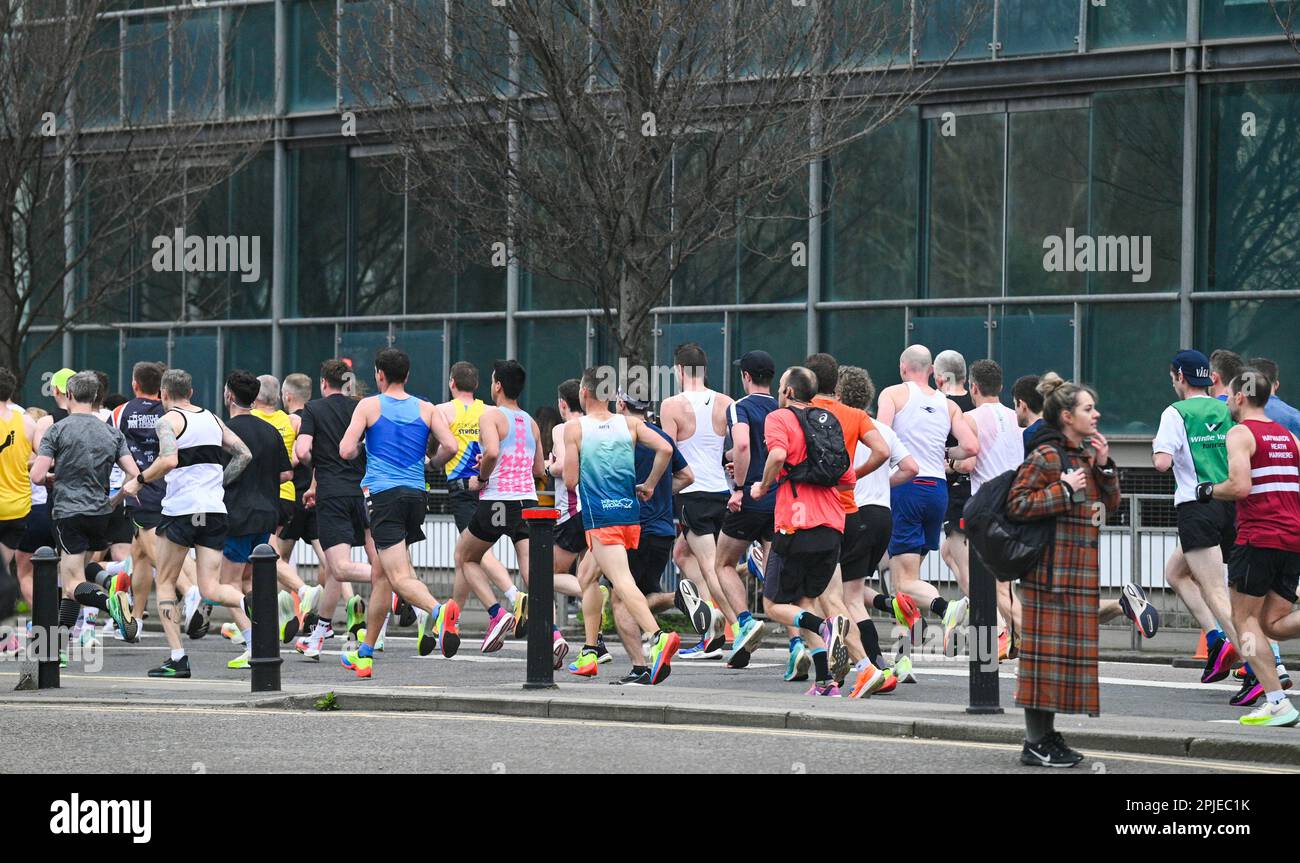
[984, 695]
[45, 616]
[541, 597]
[265, 660]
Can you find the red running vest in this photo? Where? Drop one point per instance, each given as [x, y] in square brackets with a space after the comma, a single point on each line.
[1270, 516]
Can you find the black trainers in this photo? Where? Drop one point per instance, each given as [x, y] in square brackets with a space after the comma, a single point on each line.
[1051, 751]
[405, 613]
[602, 652]
[634, 678]
[172, 668]
[1249, 693]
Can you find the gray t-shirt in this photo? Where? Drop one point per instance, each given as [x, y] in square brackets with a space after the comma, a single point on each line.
[84, 449]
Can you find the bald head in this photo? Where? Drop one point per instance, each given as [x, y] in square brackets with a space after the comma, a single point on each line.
[915, 363]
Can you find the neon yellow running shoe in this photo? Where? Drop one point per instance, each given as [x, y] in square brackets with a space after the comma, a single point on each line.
[362, 666]
[240, 661]
[361, 637]
[356, 614]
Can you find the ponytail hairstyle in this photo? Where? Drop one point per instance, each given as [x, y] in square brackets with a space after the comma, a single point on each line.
[1060, 396]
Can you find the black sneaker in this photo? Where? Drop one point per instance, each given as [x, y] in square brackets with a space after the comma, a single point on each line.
[1065, 748]
[199, 623]
[687, 600]
[634, 678]
[1049, 753]
[602, 652]
[405, 613]
[172, 668]
[1249, 693]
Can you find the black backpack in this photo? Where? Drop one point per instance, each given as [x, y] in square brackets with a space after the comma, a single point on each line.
[1010, 549]
[827, 458]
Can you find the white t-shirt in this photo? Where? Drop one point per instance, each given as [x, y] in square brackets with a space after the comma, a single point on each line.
[873, 489]
[1002, 443]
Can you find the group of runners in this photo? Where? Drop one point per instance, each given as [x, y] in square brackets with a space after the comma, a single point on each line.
[797, 482]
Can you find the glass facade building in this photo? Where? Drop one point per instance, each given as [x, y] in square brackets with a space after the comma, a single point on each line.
[1171, 127]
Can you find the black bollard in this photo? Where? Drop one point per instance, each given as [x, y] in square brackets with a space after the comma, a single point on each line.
[45, 616]
[541, 597]
[984, 695]
[265, 660]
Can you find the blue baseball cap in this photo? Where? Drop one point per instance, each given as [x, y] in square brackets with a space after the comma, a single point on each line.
[1195, 367]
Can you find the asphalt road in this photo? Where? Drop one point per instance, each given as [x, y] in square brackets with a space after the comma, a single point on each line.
[156, 739]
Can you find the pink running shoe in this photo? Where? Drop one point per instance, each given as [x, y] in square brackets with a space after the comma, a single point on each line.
[560, 649]
[829, 690]
[499, 629]
[9, 645]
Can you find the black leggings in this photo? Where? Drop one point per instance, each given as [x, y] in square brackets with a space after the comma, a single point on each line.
[1038, 724]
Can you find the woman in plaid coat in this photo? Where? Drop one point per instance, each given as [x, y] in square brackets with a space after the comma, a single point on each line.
[1058, 650]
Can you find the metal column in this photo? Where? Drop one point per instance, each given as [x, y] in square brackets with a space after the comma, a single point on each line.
[1191, 102]
[281, 188]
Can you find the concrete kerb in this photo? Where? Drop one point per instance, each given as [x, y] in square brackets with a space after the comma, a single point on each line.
[544, 707]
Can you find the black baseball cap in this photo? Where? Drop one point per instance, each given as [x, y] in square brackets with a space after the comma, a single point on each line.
[1195, 367]
[639, 405]
[757, 363]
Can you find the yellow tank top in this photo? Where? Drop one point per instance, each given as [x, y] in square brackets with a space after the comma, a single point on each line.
[279, 420]
[464, 426]
[15, 450]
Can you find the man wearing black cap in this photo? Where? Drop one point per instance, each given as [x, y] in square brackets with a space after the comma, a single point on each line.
[1192, 440]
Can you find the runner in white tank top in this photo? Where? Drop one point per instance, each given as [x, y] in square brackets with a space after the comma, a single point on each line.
[703, 449]
[1001, 442]
[923, 425]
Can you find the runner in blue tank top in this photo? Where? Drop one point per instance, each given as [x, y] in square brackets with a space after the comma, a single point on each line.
[397, 429]
[599, 458]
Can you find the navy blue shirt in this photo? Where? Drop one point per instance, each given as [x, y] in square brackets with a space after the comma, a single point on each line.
[657, 513]
[1030, 431]
[753, 410]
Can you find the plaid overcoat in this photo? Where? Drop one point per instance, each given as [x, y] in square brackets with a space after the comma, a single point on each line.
[1058, 649]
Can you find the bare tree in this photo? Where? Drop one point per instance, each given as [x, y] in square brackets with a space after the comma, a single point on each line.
[99, 154]
[605, 143]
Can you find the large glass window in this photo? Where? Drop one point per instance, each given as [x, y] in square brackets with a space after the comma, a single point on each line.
[767, 273]
[1120, 23]
[145, 64]
[196, 352]
[869, 338]
[1031, 340]
[945, 26]
[1132, 386]
[143, 346]
[704, 330]
[964, 330]
[249, 348]
[551, 352]
[1250, 217]
[446, 274]
[481, 343]
[781, 334]
[250, 59]
[239, 207]
[306, 347]
[311, 64]
[100, 77]
[98, 350]
[869, 232]
[423, 342]
[1037, 26]
[378, 263]
[1136, 192]
[1225, 19]
[358, 346]
[1254, 328]
[319, 217]
[196, 58]
[363, 62]
[965, 207]
[1047, 196]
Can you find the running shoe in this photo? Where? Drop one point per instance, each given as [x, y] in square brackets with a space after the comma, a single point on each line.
[1222, 656]
[403, 611]
[559, 649]
[905, 610]
[426, 633]
[826, 690]
[356, 616]
[903, 670]
[890, 683]
[117, 607]
[756, 562]
[202, 621]
[796, 668]
[1283, 677]
[636, 678]
[1004, 645]
[661, 655]
[9, 645]
[585, 664]
[1145, 616]
[362, 666]
[869, 681]
[748, 637]
[379, 642]
[119, 581]
[499, 627]
[520, 612]
[688, 602]
[953, 617]
[172, 668]
[309, 647]
[1281, 713]
[240, 661]
[1250, 692]
[231, 631]
[309, 606]
[835, 631]
[1013, 652]
[1240, 673]
[1051, 751]
[447, 628]
[190, 610]
[288, 615]
[89, 637]
[602, 652]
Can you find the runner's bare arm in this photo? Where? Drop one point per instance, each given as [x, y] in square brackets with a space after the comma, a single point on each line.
[489, 441]
[668, 417]
[1241, 447]
[875, 441]
[296, 422]
[539, 459]
[167, 450]
[723, 404]
[572, 444]
[907, 469]
[362, 418]
[440, 432]
[240, 455]
[682, 478]
[302, 449]
[40, 468]
[42, 426]
[771, 469]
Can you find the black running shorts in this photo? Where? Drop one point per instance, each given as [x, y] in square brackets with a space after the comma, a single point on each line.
[77, 534]
[804, 562]
[302, 525]
[198, 530]
[1255, 571]
[866, 537]
[570, 536]
[649, 560]
[749, 525]
[397, 516]
[494, 519]
[120, 527]
[39, 530]
[286, 509]
[341, 521]
[463, 504]
[12, 531]
[144, 519]
[1207, 523]
[702, 512]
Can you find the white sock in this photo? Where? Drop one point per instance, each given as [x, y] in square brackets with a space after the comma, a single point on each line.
[114, 566]
[318, 631]
[511, 594]
[178, 655]
[1275, 697]
[383, 630]
[248, 637]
